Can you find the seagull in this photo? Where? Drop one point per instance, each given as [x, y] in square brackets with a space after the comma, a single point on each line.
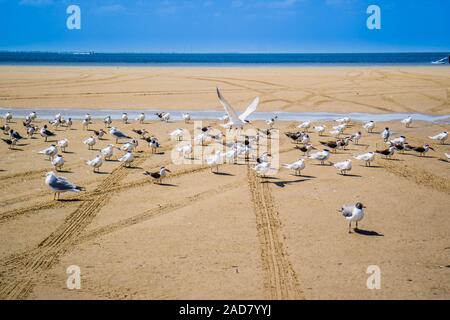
[164, 116]
[60, 184]
[107, 121]
[356, 137]
[262, 168]
[186, 117]
[129, 146]
[85, 124]
[386, 134]
[333, 145]
[185, 150]
[369, 126]
[88, 117]
[306, 149]
[305, 125]
[116, 133]
[423, 150]
[177, 134]
[125, 118]
[407, 122]
[141, 118]
[90, 142]
[127, 159]
[336, 133]
[320, 129]
[6, 128]
[10, 142]
[321, 156]
[154, 144]
[58, 162]
[344, 167]
[31, 130]
[100, 133]
[305, 139]
[344, 120]
[399, 140]
[341, 128]
[202, 138]
[45, 133]
[215, 160]
[342, 143]
[69, 123]
[388, 153]
[231, 155]
[14, 135]
[63, 144]
[140, 132]
[235, 121]
[107, 152]
[158, 176]
[366, 157]
[353, 213]
[441, 137]
[271, 122]
[58, 117]
[8, 117]
[95, 163]
[297, 166]
[50, 152]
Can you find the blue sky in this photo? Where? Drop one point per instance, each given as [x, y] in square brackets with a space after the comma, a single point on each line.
[225, 26]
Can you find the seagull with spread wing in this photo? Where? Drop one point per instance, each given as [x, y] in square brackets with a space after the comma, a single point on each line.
[235, 121]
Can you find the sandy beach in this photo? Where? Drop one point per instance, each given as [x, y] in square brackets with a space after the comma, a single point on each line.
[231, 235]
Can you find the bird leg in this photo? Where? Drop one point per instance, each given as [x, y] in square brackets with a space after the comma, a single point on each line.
[350, 227]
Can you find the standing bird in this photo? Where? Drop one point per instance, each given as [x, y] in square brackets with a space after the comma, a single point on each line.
[69, 124]
[177, 134]
[214, 161]
[100, 133]
[306, 149]
[321, 156]
[356, 137]
[423, 150]
[95, 163]
[386, 134]
[366, 157]
[163, 116]
[15, 135]
[186, 117]
[141, 118]
[50, 152]
[60, 185]
[154, 144]
[333, 145]
[441, 137]
[107, 152]
[297, 166]
[185, 150]
[5, 128]
[63, 144]
[344, 167]
[58, 162]
[31, 130]
[90, 142]
[353, 213]
[142, 133]
[158, 176]
[369, 126]
[407, 122]
[127, 159]
[116, 133]
[320, 129]
[32, 116]
[271, 122]
[387, 153]
[448, 156]
[10, 142]
[305, 125]
[85, 124]
[45, 133]
[125, 118]
[262, 168]
[344, 120]
[107, 121]
[8, 117]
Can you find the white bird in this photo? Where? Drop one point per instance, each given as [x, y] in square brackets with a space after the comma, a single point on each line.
[448, 156]
[90, 142]
[45, 133]
[127, 159]
[335, 133]
[321, 156]
[154, 144]
[353, 213]
[31, 131]
[225, 118]
[215, 160]
[32, 116]
[356, 137]
[407, 122]
[88, 117]
[95, 163]
[60, 184]
[141, 118]
[58, 162]
[271, 122]
[202, 138]
[366, 157]
[441, 137]
[305, 139]
[231, 155]
[63, 144]
[186, 117]
[305, 125]
[69, 124]
[8, 117]
[50, 152]
[297, 166]
[116, 133]
[125, 118]
[320, 129]
[262, 168]
[235, 121]
[128, 147]
[108, 152]
[107, 121]
[344, 167]
[185, 151]
[157, 176]
[344, 120]
[58, 117]
[369, 126]
[177, 134]
[164, 116]
[386, 134]
[340, 127]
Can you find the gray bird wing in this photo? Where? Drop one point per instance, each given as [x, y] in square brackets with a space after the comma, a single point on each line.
[62, 184]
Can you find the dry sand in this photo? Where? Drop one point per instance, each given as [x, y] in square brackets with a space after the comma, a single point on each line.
[229, 236]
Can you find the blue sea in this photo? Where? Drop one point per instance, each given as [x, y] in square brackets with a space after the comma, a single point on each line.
[219, 59]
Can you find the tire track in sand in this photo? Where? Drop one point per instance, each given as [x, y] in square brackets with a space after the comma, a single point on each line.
[18, 274]
[280, 279]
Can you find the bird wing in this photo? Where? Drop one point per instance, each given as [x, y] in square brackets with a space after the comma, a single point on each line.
[250, 109]
[62, 184]
[347, 211]
[228, 109]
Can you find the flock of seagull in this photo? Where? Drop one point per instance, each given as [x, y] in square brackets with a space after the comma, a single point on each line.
[231, 121]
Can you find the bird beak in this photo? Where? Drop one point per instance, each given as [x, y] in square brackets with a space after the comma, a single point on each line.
[168, 170]
[364, 207]
[432, 148]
